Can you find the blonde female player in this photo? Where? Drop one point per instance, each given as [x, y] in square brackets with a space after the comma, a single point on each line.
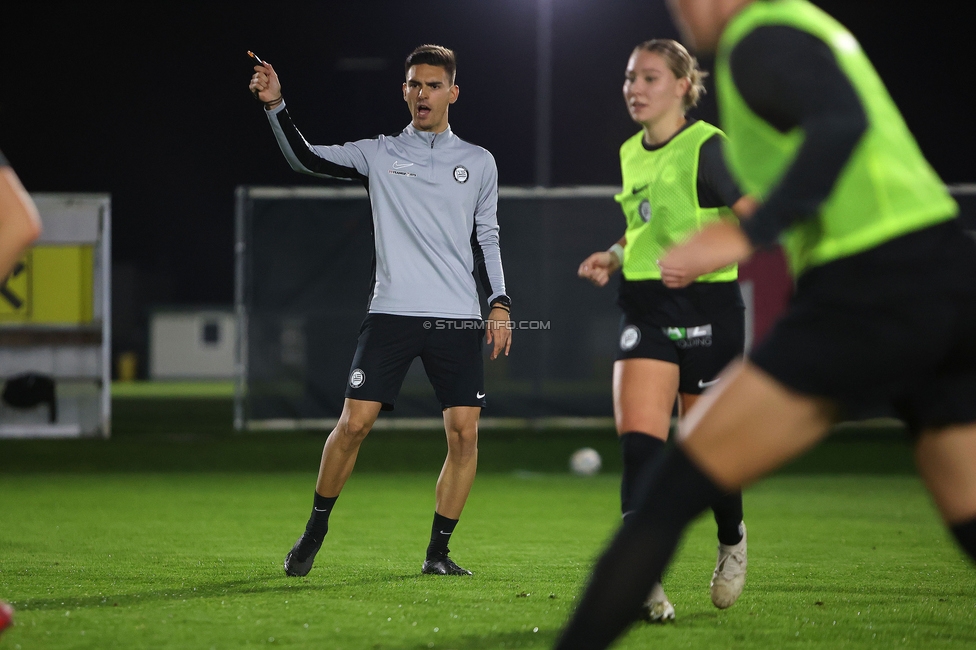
[673, 342]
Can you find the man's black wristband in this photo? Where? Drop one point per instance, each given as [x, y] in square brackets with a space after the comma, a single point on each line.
[502, 301]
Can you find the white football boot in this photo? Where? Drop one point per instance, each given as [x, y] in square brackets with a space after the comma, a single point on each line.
[657, 607]
[730, 573]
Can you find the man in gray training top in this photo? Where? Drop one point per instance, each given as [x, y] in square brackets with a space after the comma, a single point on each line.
[433, 199]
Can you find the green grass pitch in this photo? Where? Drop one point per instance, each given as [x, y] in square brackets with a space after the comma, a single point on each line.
[164, 541]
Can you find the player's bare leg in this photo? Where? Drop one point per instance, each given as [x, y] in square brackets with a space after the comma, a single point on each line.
[457, 475]
[946, 459]
[750, 425]
[342, 446]
[644, 394]
[453, 486]
[338, 459]
[644, 391]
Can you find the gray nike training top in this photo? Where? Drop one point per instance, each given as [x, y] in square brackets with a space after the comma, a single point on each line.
[433, 198]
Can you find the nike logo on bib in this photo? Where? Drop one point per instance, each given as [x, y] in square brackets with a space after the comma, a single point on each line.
[706, 384]
[480, 395]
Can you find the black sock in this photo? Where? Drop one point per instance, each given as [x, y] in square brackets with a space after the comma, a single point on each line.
[318, 522]
[965, 534]
[728, 516]
[440, 535]
[676, 492]
[638, 450]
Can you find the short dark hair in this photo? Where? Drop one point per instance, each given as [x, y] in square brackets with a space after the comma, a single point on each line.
[433, 55]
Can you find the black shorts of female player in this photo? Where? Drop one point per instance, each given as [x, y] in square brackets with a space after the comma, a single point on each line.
[700, 328]
[450, 349]
[891, 329]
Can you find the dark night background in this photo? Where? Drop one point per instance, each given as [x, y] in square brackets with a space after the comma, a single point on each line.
[149, 102]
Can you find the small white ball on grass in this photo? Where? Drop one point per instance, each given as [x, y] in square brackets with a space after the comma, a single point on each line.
[585, 462]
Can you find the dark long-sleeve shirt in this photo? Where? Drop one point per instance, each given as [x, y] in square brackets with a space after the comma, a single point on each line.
[791, 79]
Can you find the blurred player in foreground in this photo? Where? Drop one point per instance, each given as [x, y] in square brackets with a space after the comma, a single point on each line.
[673, 341]
[885, 307]
[433, 198]
[20, 226]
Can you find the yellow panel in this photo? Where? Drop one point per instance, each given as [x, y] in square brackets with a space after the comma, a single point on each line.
[15, 292]
[53, 285]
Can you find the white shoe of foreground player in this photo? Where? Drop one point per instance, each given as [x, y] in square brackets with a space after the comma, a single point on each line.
[730, 573]
[657, 607]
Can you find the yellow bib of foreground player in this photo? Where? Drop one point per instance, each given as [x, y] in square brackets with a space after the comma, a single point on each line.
[887, 188]
[660, 201]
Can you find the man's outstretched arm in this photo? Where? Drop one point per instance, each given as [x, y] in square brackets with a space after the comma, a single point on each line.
[347, 161]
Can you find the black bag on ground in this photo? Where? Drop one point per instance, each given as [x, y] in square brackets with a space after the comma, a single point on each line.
[30, 389]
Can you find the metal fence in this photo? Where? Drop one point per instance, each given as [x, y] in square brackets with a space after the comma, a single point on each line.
[303, 272]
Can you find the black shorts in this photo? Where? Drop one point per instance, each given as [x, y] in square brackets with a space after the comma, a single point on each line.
[700, 328]
[449, 349]
[892, 329]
